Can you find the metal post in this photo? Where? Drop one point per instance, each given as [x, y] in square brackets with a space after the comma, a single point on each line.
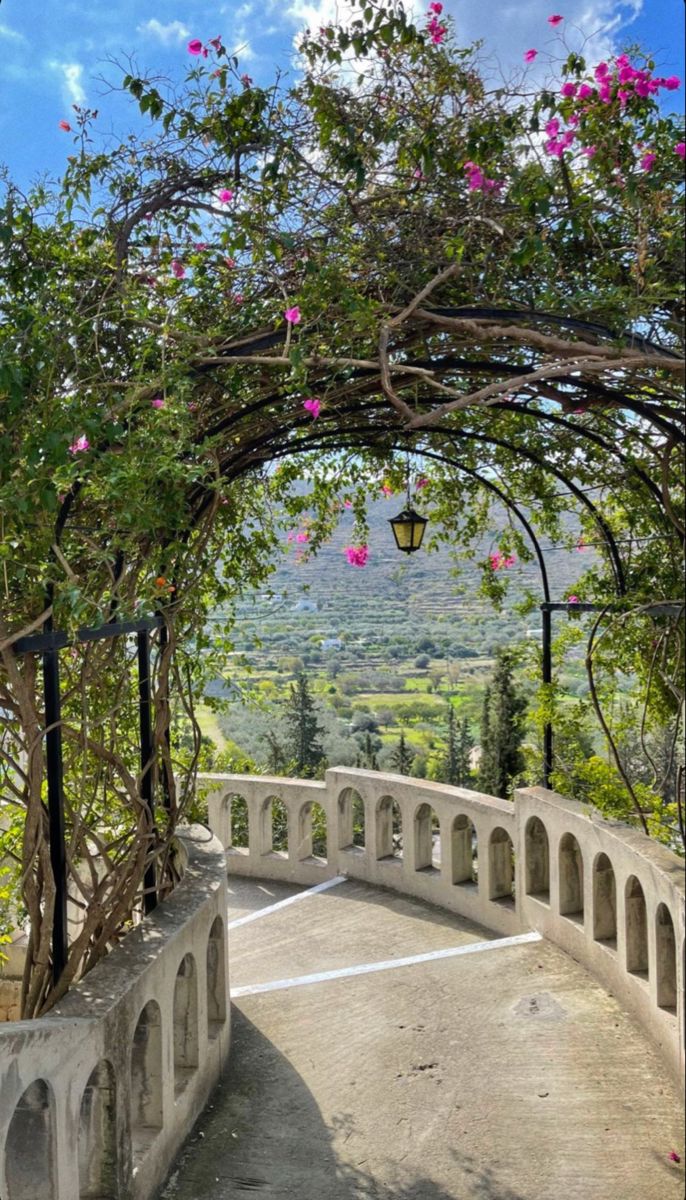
[547, 671]
[55, 772]
[166, 785]
[147, 766]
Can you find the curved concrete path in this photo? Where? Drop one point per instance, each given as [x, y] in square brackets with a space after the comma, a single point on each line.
[500, 1072]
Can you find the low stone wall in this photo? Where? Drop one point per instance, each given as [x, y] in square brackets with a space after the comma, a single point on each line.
[606, 894]
[97, 1097]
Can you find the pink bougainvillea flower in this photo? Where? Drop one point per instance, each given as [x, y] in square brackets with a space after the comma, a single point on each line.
[238, 299]
[246, 81]
[581, 545]
[178, 269]
[530, 55]
[553, 127]
[216, 43]
[674, 1157]
[436, 31]
[573, 600]
[585, 92]
[590, 151]
[500, 561]
[421, 483]
[302, 537]
[436, 7]
[313, 406]
[672, 83]
[64, 126]
[386, 489]
[347, 503]
[230, 263]
[648, 161]
[357, 556]
[200, 246]
[195, 46]
[602, 71]
[225, 196]
[193, 406]
[556, 19]
[290, 537]
[157, 402]
[568, 89]
[80, 445]
[680, 149]
[293, 315]
[418, 173]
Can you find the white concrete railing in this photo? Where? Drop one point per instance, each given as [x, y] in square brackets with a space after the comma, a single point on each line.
[609, 896]
[97, 1096]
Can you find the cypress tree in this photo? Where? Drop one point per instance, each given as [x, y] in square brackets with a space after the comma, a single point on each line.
[465, 745]
[303, 730]
[502, 730]
[401, 757]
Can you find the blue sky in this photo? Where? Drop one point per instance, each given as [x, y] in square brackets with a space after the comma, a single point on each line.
[53, 53]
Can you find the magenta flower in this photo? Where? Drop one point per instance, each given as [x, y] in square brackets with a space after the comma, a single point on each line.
[225, 196]
[178, 269]
[293, 315]
[602, 71]
[680, 149]
[436, 31]
[573, 600]
[246, 81]
[357, 555]
[672, 83]
[674, 1157]
[500, 561]
[200, 246]
[347, 503]
[216, 43]
[421, 483]
[556, 19]
[418, 173]
[64, 126]
[386, 489]
[568, 89]
[238, 299]
[195, 46]
[553, 127]
[648, 161]
[313, 406]
[590, 151]
[80, 445]
[290, 536]
[436, 7]
[585, 92]
[157, 402]
[530, 55]
[302, 537]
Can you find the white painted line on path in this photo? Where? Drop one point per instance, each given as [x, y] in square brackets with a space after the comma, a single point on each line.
[391, 964]
[263, 912]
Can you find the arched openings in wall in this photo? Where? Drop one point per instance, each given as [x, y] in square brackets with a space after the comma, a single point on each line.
[665, 945]
[604, 902]
[216, 978]
[464, 846]
[146, 1078]
[185, 1022]
[636, 928]
[389, 829]
[351, 820]
[30, 1146]
[537, 860]
[274, 816]
[239, 823]
[502, 868]
[571, 870]
[312, 832]
[427, 839]
[98, 1136]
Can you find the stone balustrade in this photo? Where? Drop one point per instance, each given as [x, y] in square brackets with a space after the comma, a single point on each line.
[97, 1096]
[606, 894]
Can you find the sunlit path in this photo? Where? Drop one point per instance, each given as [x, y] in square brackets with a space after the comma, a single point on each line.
[501, 1075]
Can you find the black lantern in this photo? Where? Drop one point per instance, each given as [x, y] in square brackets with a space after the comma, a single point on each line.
[408, 530]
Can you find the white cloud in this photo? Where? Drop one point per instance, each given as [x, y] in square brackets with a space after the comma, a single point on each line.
[175, 31]
[73, 91]
[11, 35]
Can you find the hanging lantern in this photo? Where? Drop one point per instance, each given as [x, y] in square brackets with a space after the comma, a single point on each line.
[408, 530]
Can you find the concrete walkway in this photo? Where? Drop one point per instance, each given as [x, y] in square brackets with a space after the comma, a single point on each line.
[502, 1072]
